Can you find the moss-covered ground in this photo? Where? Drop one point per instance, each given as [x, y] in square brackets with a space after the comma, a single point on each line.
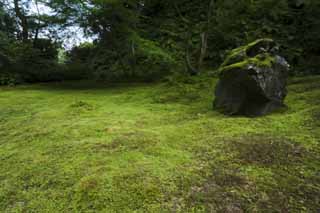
[83, 147]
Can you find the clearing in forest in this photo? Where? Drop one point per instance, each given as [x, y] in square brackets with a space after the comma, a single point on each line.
[79, 147]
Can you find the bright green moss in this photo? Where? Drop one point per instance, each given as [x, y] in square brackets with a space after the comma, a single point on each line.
[258, 41]
[261, 60]
[80, 147]
[241, 64]
[238, 57]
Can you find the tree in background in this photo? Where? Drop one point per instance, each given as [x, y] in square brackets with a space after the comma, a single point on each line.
[149, 39]
[32, 57]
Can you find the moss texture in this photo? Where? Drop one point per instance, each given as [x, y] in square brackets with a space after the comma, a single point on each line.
[238, 58]
[81, 147]
[261, 60]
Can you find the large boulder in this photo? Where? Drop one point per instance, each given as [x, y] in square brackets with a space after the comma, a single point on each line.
[252, 80]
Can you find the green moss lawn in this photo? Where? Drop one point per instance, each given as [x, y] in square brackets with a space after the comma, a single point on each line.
[87, 147]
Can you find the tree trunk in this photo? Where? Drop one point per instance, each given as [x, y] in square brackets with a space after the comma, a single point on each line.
[38, 27]
[36, 37]
[23, 21]
[204, 46]
[134, 59]
[190, 68]
[204, 36]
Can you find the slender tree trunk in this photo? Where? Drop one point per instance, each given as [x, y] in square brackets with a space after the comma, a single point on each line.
[36, 37]
[203, 51]
[38, 27]
[23, 21]
[204, 36]
[134, 59]
[190, 69]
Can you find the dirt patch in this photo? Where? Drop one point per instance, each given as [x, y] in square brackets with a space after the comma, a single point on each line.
[131, 141]
[266, 150]
[258, 173]
[219, 193]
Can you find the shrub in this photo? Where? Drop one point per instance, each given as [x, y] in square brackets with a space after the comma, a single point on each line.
[35, 62]
[79, 61]
[139, 60]
[9, 79]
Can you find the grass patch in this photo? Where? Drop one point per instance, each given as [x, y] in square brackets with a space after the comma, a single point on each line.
[84, 147]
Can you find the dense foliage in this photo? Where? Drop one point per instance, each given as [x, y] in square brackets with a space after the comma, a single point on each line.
[149, 39]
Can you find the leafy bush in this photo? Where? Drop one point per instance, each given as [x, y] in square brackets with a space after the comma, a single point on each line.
[9, 79]
[35, 63]
[79, 61]
[141, 60]
[152, 61]
[180, 87]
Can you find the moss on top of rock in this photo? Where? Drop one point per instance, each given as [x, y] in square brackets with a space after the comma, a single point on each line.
[261, 60]
[254, 53]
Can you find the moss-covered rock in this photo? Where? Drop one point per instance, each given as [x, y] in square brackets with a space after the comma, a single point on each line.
[252, 80]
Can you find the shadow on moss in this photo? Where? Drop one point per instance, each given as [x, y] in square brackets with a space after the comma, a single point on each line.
[267, 151]
[259, 173]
